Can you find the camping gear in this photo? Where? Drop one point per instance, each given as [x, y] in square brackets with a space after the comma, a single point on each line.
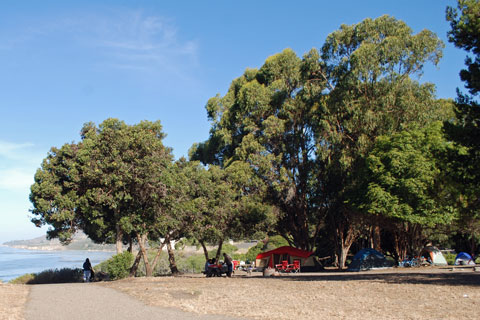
[275, 257]
[464, 259]
[295, 267]
[367, 259]
[282, 266]
[434, 256]
[288, 267]
[216, 270]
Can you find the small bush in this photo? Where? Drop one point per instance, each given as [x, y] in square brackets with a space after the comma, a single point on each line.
[65, 275]
[239, 256]
[194, 263]
[450, 257]
[23, 279]
[254, 251]
[118, 266]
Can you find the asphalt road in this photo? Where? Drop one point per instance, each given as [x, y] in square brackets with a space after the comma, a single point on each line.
[87, 301]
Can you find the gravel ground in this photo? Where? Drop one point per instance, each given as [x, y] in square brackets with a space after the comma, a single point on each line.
[93, 302]
[415, 293]
[12, 301]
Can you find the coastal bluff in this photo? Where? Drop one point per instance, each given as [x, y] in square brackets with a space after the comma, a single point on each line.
[80, 242]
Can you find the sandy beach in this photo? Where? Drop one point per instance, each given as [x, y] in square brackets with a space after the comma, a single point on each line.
[415, 293]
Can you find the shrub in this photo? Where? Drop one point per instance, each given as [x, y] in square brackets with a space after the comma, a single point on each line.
[450, 257]
[273, 243]
[239, 256]
[194, 263]
[65, 275]
[118, 266]
[252, 253]
[23, 279]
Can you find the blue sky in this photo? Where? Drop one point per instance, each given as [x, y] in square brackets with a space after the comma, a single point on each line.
[64, 63]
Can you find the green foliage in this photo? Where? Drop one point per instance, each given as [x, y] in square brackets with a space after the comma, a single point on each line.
[304, 125]
[64, 275]
[239, 256]
[406, 178]
[226, 248]
[252, 253]
[276, 242]
[406, 185]
[108, 184]
[54, 195]
[193, 263]
[465, 34]
[450, 257]
[221, 203]
[23, 279]
[272, 243]
[464, 130]
[118, 266]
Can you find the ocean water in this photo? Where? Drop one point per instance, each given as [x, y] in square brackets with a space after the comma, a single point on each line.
[16, 262]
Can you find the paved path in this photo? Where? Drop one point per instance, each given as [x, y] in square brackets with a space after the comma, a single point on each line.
[87, 301]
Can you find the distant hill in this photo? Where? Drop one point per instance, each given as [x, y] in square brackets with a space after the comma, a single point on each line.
[80, 242]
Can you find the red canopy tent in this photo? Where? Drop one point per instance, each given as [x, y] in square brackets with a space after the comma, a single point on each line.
[276, 256]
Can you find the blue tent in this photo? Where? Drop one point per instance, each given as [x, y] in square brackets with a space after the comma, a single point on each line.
[367, 259]
[464, 258]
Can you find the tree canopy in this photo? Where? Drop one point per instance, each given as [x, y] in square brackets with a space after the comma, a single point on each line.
[464, 129]
[305, 124]
[329, 150]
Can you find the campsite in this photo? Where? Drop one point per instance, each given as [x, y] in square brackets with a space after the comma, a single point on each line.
[400, 293]
[338, 141]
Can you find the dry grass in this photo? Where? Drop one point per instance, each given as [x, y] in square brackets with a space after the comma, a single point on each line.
[427, 293]
[13, 298]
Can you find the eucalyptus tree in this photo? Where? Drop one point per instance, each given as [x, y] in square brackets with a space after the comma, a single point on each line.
[266, 121]
[407, 183]
[226, 204]
[305, 125]
[465, 34]
[369, 67]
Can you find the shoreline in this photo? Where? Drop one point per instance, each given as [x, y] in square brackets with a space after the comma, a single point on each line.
[53, 248]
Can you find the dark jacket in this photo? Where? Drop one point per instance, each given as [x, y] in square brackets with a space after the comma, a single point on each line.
[87, 266]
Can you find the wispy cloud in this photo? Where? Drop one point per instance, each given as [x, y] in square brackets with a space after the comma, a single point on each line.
[18, 163]
[15, 179]
[120, 39]
[136, 41]
[11, 150]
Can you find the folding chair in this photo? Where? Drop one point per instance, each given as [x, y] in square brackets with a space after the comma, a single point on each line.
[294, 267]
[283, 266]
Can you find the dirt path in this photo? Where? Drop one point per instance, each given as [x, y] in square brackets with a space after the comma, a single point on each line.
[90, 301]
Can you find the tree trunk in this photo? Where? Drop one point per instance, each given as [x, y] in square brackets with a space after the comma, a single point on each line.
[159, 252]
[377, 245]
[346, 235]
[130, 244]
[473, 245]
[171, 259]
[205, 251]
[141, 242]
[119, 240]
[342, 256]
[219, 250]
[134, 268]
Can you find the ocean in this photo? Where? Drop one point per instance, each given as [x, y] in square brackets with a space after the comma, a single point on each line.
[16, 262]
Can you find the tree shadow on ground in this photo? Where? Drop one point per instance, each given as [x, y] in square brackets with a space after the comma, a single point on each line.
[446, 278]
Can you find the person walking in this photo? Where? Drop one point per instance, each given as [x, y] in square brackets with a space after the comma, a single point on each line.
[229, 261]
[87, 270]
